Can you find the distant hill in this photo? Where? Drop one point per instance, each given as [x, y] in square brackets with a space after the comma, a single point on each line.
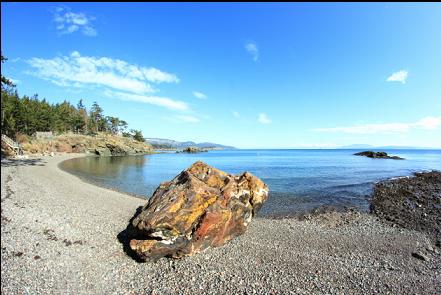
[162, 143]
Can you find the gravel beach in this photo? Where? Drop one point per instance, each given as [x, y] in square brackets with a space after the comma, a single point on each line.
[59, 235]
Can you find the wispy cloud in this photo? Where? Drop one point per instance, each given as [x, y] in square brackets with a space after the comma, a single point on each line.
[429, 123]
[263, 118]
[400, 76]
[199, 95]
[124, 80]
[253, 49]
[68, 22]
[154, 100]
[100, 71]
[424, 123]
[236, 114]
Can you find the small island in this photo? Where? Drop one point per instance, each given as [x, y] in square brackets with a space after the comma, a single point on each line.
[192, 150]
[377, 155]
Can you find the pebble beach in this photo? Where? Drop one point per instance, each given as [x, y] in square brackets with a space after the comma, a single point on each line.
[62, 235]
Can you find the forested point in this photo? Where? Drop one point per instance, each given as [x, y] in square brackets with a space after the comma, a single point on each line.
[27, 115]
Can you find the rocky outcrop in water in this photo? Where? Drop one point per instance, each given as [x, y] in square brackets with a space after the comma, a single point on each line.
[411, 202]
[377, 155]
[112, 149]
[202, 207]
[192, 149]
[103, 152]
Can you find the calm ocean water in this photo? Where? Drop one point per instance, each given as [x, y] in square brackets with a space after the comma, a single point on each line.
[299, 180]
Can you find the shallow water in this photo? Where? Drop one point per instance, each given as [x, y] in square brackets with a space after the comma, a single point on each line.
[299, 180]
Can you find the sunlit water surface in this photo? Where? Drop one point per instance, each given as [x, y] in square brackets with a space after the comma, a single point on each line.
[299, 180]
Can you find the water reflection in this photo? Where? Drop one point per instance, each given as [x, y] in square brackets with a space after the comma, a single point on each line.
[298, 179]
[104, 166]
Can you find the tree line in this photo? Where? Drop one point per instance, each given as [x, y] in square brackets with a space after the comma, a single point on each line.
[27, 115]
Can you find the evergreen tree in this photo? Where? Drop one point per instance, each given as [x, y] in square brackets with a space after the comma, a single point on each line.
[30, 114]
[114, 124]
[122, 126]
[5, 82]
[137, 135]
[82, 127]
[96, 116]
[80, 105]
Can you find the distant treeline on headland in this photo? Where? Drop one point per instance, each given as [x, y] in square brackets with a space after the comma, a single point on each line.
[27, 115]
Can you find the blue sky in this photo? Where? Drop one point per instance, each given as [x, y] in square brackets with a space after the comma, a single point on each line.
[258, 75]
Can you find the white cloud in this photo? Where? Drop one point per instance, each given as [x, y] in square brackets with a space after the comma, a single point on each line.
[263, 118]
[400, 76]
[115, 77]
[236, 114]
[199, 95]
[99, 71]
[154, 100]
[157, 76]
[252, 49]
[188, 119]
[424, 123]
[429, 123]
[68, 22]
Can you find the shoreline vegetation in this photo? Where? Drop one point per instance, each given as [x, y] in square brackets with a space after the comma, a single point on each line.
[39, 127]
[51, 217]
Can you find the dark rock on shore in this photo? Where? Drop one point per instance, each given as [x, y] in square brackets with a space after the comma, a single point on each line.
[420, 256]
[118, 150]
[377, 155]
[202, 207]
[411, 202]
[103, 152]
